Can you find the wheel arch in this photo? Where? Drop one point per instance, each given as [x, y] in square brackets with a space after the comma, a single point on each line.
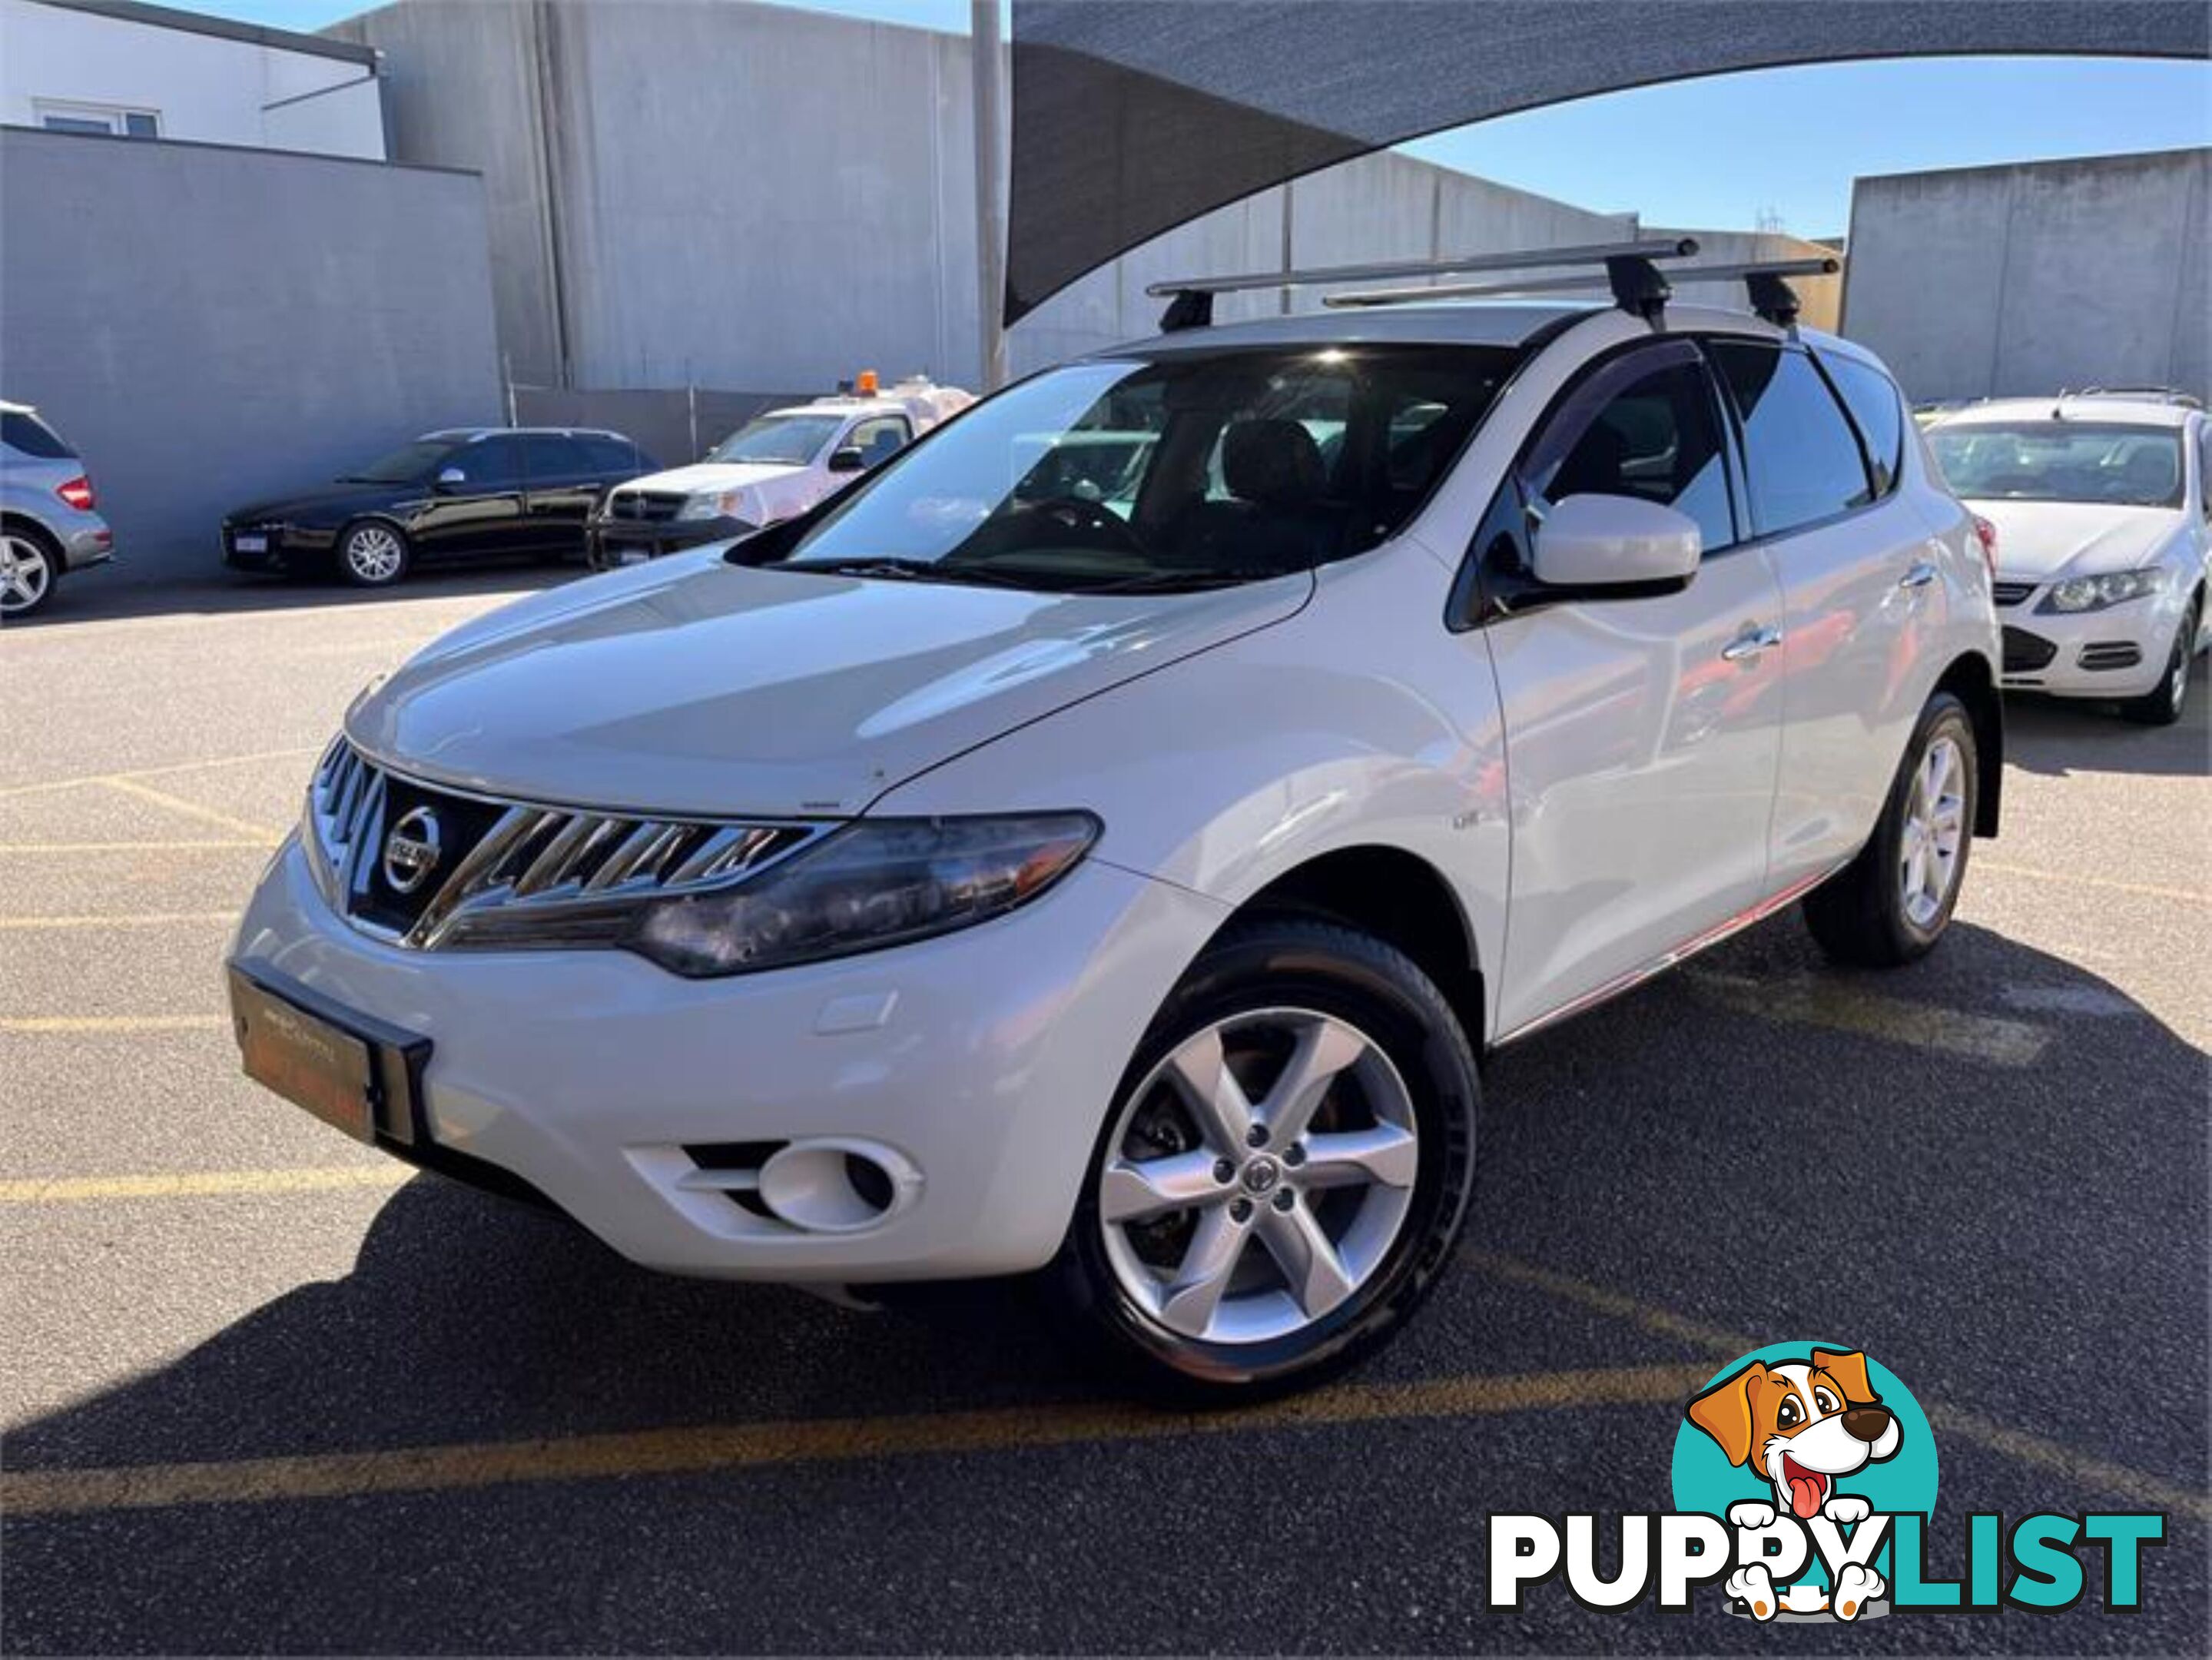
[1969, 679]
[1398, 896]
[24, 524]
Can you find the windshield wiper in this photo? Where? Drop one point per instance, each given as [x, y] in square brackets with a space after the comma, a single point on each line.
[907, 570]
[1198, 576]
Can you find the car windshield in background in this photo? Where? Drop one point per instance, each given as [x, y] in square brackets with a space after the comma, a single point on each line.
[405, 465]
[1187, 471]
[788, 440]
[2062, 462]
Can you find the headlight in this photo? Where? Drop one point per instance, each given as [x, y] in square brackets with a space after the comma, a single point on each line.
[712, 504]
[873, 884]
[2096, 593]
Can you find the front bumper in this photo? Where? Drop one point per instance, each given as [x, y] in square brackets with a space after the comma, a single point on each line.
[985, 1061]
[611, 542]
[284, 548]
[2120, 651]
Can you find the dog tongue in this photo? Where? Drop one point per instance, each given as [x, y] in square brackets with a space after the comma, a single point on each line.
[1805, 1496]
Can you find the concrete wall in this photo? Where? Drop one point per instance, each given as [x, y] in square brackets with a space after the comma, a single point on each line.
[1820, 298]
[1993, 282]
[737, 195]
[210, 325]
[202, 87]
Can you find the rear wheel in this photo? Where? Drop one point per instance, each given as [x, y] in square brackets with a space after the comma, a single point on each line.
[373, 554]
[2162, 705]
[1892, 903]
[1284, 1171]
[29, 569]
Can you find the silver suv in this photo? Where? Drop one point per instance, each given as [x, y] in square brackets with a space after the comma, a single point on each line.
[47, 522]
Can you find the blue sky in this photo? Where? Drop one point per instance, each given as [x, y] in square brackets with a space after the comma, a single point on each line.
[1722, 152]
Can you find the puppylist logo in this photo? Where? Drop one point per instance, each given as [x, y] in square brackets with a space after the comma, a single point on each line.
[1804, 1478]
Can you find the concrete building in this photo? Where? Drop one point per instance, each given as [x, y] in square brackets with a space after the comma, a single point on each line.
[138, 71]
[2020, 280]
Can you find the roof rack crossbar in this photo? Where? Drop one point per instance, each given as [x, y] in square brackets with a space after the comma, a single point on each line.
[1756, 276]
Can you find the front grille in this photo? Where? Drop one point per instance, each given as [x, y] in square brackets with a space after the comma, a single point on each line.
[473, 855]
[2010, 594]
[2111, 655]
[2026, 653]
[654, 507]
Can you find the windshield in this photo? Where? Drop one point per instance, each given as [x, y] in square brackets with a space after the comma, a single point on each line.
[2062, 462]
[410, 464]
[788, 440]
[1192, 470]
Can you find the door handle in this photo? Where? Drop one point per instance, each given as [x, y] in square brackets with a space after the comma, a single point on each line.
[1750, 644]
[1919, 577]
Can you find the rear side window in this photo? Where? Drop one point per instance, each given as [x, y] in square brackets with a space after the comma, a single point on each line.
[555, 458]
[1645, 426]
[1872, 400]
[610, 455]
[25, 433]
[1801, 454]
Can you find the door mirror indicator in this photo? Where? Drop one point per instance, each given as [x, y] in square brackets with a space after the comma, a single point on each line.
[848, 459]
[1615, 541]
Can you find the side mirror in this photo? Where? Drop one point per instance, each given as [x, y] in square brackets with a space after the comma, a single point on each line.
[451, 477]
[1615, 541]
[848, 459]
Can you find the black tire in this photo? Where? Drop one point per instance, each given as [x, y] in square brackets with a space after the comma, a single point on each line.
[2163, 704]
[33, 563]
[1352, 980]
[1860, 917]
[366, 554]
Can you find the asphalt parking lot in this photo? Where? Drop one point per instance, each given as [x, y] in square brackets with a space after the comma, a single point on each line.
[265, 1390]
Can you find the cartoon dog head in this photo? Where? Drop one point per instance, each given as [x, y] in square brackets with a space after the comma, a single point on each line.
[1802, 1424]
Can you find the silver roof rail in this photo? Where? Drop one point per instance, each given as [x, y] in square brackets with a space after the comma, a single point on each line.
[1634, 280]
[1771, 296]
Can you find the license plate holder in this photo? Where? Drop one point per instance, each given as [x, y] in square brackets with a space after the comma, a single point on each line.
[355, 1073]
[250, 544]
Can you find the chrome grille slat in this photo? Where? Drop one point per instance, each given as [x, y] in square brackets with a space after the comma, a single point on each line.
[543, 859]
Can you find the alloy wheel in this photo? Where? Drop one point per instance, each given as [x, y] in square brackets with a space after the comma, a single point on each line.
[25, 573]
[2177, 674]
[373, 554]
[1935, 828]
[1259, 1176]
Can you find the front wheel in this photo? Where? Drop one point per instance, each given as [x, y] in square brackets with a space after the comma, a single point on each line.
[2162, 705]
[1891, 904]
[1284, 1170]
[372, 555]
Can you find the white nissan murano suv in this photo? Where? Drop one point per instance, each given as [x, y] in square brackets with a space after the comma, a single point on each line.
[967, 877]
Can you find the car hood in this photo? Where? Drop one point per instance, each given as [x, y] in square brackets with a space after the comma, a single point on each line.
[713, 476]
[692, 686]
[2043, 540]
[327, 501]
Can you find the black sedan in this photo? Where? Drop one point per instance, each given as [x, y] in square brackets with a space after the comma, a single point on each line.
[470, 493]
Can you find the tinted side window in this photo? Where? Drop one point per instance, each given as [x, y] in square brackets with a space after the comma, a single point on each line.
[1873, 403]
[487, 461]
[1654, 437]
[877, 440]
[555, 458]
[32, 436]
[610, 455]
[1800, 453]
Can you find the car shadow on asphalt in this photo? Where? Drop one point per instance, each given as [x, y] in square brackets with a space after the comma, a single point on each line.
[2059, 736]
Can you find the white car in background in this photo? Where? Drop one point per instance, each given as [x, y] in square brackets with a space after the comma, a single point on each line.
[2102, 503]
[776, 465]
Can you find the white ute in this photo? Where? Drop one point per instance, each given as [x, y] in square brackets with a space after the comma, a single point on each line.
[982, 873]
[2102, 505]
[777, 464]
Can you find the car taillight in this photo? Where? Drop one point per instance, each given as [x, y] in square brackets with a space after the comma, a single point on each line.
[77, 493]
[1986, 533]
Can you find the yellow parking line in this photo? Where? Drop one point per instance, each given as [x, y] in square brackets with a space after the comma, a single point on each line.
[39, 1024]
[201, 1185]
[172, 767]
[2149, 890]
[216, 845]
[1841, 1006]
[191, 809]
[144, 918]
[730, 1446]
[2077, 1466]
